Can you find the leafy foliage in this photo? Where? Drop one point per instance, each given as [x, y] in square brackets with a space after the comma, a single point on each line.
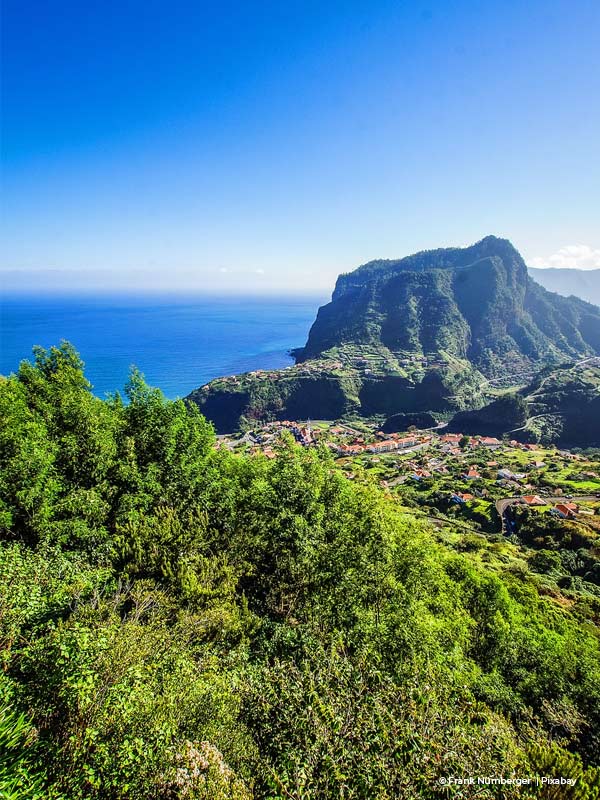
[180, 622]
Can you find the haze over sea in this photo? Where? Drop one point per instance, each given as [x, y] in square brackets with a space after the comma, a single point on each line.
[179, 341]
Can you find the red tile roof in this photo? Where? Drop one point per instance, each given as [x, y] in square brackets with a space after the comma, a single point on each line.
[568, 509]
[533, 500]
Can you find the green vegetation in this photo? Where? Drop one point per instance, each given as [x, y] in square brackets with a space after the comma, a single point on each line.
[405, 422]
[566, 405]
[177, 621]
[508, 413]
[346, 382]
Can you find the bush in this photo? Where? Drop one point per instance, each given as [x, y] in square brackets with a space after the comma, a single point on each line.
[182, 622]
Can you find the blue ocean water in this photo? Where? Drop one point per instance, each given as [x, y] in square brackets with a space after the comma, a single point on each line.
[178, 342]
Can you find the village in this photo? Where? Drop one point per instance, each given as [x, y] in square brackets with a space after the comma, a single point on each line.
[481, 481]
[347, 359]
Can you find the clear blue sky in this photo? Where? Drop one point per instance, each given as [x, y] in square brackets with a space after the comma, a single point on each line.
[277, 144]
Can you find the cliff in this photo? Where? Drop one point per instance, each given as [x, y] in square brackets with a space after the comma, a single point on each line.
[476, 303]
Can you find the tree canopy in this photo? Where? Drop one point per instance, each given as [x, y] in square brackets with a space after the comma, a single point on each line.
[177, 621]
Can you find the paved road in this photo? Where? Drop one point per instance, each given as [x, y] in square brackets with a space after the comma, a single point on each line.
[501, 506]
[536, 416]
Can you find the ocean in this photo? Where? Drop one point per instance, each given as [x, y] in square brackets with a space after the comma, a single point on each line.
[179, 342]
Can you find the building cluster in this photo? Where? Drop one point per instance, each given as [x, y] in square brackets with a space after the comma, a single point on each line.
[450, 468]
[394, 443]
[423, 361]
[434, 461]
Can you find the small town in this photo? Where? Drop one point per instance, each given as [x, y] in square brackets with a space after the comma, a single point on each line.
[484, 483]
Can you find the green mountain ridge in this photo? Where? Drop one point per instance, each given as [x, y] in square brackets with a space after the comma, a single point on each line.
[363, 380]
[417, 334]
[476, 303]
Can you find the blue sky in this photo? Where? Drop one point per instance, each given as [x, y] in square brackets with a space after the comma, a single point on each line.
[272, 145]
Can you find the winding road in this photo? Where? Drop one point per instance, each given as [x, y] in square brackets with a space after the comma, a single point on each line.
[506, 502]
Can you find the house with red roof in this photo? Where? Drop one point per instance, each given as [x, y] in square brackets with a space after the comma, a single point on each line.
[565, 510]
[350, 449]
[384, 446]
[461, 497]
[490, 442]
[419, 474]
[533, 500]
[406, 441]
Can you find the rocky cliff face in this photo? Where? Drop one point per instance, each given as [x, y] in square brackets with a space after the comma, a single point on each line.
[477, 303]
[415, 335]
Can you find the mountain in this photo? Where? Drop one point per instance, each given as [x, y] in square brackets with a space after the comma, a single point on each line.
[422, 333]
[477, 303]
[560, 405]
[583, 283]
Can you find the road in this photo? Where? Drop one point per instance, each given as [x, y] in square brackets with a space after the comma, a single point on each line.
[536, 416]
[506, 502]
[532, 372]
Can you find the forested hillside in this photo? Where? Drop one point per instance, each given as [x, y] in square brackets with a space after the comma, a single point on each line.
[177, 621]
[561, 405]
[474, 302]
